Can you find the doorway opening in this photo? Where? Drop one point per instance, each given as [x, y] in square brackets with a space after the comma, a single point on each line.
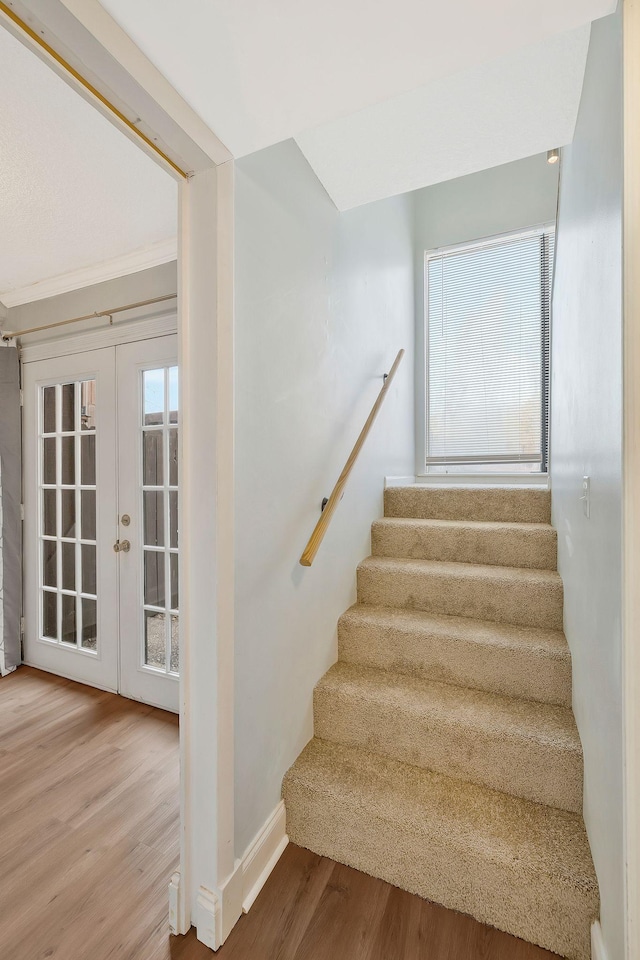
[126, 88]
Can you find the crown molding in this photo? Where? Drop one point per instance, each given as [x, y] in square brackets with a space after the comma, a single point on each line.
[142, 259]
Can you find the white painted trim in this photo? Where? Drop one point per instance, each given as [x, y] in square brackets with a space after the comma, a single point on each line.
[262, 855]
[205, 269]
[110, 336]
[534, 480]
[162, 95]
[398, 482]
[630, 473]
[174, 900]
[164, 251]
[214, 911]
[421, 362]
[69, 676]
[92, 42]
[207, 917]
[490, 241]
[598, 951]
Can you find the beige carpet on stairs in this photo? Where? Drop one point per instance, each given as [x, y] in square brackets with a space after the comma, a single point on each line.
[446, 759]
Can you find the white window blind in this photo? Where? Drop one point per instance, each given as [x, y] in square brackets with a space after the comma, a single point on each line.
[488, 351]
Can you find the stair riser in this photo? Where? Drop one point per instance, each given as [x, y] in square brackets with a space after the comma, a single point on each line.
[535, 549]
[511, 672]
[503, 505]
[522, 602]
[494, 757]
[509, 897]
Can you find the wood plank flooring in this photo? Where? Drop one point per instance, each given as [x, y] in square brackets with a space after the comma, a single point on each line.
[89, 814]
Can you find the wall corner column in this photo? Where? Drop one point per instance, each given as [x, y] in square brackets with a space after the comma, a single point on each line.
[631, 471]
[208, 892]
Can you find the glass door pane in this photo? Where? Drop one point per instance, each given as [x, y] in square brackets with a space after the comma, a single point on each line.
[70, 516]
[148, 432]
[159, 459]
[67, 515]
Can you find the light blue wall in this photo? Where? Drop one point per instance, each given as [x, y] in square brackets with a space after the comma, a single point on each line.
[323, 302]
[499, 200]
[586, 437]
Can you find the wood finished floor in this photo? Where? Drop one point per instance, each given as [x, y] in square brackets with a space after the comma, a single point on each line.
[89, 813]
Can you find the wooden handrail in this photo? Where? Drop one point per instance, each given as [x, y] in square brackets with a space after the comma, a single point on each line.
[321, 526]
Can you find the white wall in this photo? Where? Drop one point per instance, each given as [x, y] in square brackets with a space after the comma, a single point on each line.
[323, 302]
[500, 200]
[586, 434]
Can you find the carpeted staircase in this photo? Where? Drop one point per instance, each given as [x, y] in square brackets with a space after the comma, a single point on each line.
[446, 759]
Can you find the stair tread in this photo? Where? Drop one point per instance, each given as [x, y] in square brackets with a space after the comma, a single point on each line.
[511, 718]
[456, 569]
[532, 663]
[468, 629]
[505, 829]
[491, 526]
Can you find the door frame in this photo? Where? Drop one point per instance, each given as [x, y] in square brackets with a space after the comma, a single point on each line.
[631, 473]
[206, 891]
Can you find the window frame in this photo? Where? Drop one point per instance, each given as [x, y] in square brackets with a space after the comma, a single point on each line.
[422, 355]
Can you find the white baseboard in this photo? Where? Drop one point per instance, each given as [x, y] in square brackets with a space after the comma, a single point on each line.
[174, 904]
[262, 855]
[207, 918]
[598, 951]
[217, 911]
[399, 482]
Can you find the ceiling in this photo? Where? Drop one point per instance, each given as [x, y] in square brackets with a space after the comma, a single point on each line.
[258, 73]
[74, 192]
[381, 97]
[510, 108]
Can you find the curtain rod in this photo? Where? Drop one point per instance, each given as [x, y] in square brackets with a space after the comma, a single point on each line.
[89, 316]
[48, 49]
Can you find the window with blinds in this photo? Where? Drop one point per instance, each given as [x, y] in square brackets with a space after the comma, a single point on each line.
[488, 307]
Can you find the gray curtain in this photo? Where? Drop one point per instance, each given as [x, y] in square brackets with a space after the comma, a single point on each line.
[10, 520]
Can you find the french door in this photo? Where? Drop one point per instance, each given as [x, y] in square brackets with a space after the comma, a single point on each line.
[101, 518]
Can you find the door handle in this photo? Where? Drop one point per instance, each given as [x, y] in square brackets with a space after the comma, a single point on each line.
[122, 546]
